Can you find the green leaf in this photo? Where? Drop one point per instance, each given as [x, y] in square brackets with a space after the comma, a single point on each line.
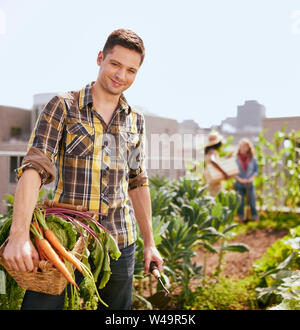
[106, 271]
[235, 247]
[165, 281]
[227, 229]
[169, 270]
[286, 262]
[209, 248]
[286, 304]
[145, 302]
[211, 231]
[217, 210]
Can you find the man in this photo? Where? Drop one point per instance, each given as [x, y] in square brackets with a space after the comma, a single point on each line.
[92, 142]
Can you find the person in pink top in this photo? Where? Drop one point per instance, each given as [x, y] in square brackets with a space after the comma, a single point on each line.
[247, 164]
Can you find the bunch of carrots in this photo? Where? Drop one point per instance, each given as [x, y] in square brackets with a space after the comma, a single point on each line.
[50, 248]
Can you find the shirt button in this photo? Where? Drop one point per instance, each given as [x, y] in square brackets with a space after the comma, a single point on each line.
[104, 173]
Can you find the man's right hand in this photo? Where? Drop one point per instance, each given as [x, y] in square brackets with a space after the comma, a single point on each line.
[20, 254]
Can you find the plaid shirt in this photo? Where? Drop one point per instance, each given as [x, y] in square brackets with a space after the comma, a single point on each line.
[94, 164]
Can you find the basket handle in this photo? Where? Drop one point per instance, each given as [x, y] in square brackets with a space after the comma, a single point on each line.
[49, 203]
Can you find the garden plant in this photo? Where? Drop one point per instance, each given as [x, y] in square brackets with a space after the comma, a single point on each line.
[186, 219]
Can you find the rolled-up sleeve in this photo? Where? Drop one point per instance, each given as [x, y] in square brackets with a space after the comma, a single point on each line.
[44, 141]
[138, 173]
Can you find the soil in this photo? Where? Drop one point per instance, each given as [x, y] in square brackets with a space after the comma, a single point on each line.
[238, 264]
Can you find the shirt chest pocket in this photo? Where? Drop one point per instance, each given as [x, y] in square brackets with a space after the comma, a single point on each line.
[79, 139]
[129, 140]
[129, 148]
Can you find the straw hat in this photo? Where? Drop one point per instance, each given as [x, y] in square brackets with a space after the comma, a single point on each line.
[213, 139]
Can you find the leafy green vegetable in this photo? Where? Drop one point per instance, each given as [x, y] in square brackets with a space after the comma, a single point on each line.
[4, 231]
[112, 246]
[106, 271]
[64, 230]
[13, 297]
[97, 258]
[87, 294]
[95, 261]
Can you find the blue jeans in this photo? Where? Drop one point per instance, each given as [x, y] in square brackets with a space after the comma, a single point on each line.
[246, 191]
[116, 294]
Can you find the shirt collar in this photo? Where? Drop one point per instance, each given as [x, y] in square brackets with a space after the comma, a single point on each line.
[124, 105]
[85, 98]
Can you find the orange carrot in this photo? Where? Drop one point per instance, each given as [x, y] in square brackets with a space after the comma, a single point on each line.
[54, 258]
[37, 227]
[54, 241]
[40, 251]
[51, 255]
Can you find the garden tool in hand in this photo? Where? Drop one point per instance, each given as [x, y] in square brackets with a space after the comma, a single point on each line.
[161, 298]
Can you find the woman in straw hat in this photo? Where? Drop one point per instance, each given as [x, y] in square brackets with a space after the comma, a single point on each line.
[211, 156]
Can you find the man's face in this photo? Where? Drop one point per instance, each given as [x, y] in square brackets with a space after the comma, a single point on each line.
[118, 69]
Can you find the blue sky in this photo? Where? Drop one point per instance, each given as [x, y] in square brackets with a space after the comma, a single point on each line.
[203, 58]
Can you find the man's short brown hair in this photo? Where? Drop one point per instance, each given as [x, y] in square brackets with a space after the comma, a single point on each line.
[127, 39]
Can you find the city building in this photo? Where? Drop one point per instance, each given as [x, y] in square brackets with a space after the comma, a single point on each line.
[250, 116]
[39, 102]
[272, 125]
[247, 123]
[15, 128]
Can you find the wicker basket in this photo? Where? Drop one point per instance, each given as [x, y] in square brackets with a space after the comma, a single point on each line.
[47, 279]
